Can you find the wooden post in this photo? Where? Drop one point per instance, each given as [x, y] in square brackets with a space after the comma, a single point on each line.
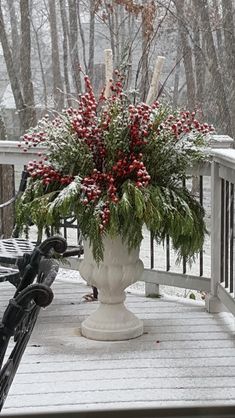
[108, 58]
[7, 190]
[153, 90]
[212, 302]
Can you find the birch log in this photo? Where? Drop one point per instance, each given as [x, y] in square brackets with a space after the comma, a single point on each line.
[153, 90]
[108, 59]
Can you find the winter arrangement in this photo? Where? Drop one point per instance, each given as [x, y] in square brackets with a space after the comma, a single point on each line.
[116, 165]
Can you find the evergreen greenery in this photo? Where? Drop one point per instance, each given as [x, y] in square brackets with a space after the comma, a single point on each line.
[116, 166]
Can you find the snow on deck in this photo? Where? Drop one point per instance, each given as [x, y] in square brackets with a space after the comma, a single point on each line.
[185, 357]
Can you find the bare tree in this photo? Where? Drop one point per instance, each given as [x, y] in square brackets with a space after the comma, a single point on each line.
[82, 36]
[187, 56]
[65, 29]
[223, 112]
[229, 47]
[25, 63]
[200, 67]
[73, 45]
[15, 36]
[36, 31]
[55, 58]
[218, 29]
[13, 75]
[177, 71]
[93, 7]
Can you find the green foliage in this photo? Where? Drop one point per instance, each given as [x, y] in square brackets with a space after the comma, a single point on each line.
[117, 167]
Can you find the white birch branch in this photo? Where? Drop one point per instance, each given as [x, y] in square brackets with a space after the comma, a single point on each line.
[153, 89]
[108, 59]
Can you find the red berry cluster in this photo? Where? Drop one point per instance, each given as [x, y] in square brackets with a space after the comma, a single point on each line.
[86, 124]
[92, 187]
[32, 140]
[105, 216]
[141, 123]
[46, 173]
[96, 184]
[117, 85]
[132, 168]
[184, 123]
[84, 118]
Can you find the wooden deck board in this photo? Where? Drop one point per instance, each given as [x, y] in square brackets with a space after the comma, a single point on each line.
[185, 357]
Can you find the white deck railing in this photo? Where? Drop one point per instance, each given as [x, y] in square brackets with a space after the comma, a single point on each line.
[222, 230]
[218, 280]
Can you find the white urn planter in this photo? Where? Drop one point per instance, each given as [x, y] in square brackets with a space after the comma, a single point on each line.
[119, 269]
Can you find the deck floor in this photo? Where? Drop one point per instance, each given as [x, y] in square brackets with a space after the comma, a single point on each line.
[185, 357]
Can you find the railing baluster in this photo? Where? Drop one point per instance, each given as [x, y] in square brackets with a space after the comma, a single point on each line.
[226, 250]
[201, 203]
[222, 234]
[79, 235]
[184, 259]
[168, 253]
[151, 251]
[231, 235]
[65, 229]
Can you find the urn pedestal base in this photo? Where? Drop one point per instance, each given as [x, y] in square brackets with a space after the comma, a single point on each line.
[112, 323]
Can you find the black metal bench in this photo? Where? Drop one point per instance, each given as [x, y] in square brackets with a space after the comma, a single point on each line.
[9, 274]
[37, 272]
[11, 249]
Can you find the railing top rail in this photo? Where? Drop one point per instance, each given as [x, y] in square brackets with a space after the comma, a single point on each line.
[224, 156]
[11, 153]
[222, 141]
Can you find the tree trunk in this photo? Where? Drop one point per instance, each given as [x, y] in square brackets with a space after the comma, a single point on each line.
[177, 71]
[111, 31]
[91, 40]
[7, 190]
[57, 79]
[14, 33]
[25, 64]
[130, 30]
[187, 57]
[40, 59]
[82, 35]
[229, 44]
[218, 32]
[122, 28]
[223, 113]
[12, 74]
[63, 15]
[200, 68]
[116, 34]
[145, 54]
[73, 43]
